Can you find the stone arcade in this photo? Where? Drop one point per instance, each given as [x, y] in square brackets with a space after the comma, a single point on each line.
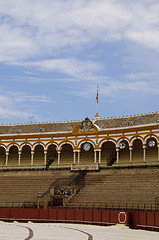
[88, 144]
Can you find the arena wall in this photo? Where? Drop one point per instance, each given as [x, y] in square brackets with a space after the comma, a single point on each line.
[133, 219]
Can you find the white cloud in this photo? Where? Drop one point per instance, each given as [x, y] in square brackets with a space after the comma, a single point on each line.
[139, 76]
[128, 88]
[72, 67]
[85, 41]
[122, 89]
[18, 104]
[22, 97]
[9, 113]
[30, 29]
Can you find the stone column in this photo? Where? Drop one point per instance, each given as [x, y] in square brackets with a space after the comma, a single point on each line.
[95, 156]
[32, 158]
[6, 163]
[59, 155]
[45, 157]
[117, 155]
[100, 156]
[19, 159]
[130, 149]
[74, 157]
[78, 157]
[144, 153]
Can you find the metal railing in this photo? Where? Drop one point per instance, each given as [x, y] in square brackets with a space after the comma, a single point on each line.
[18, 205]
[115, 206]
[87, 205]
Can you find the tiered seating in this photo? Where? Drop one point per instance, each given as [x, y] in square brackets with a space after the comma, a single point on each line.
[25, 186]
[25, 157]
[13, 160]
[54, 164]
[119, 187]
[66, 158]
[137, 158]
[86, 157]
[151, 155]
[25, 160]
[38, 156]
[104, 188]
[124, 157]
[107, 151]
[105, 156]
[13, 157]
[38, 159]
[2, 157]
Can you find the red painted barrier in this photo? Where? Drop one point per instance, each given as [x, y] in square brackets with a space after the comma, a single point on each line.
[61, 214]
[114, 217]
[70, 214]
[79, 213]
[157, 219]
[52, 214]
[150, 219]
[123, 217]
[142, 219]
[43, 214]
[87, 215]
[105, 216]
[4, 213]
[134, 219]
[26, 213]
[97, 216]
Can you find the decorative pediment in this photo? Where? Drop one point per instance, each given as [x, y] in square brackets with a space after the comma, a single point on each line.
[87, 126]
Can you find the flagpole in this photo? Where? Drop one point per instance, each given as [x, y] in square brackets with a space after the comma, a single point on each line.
[97, 99]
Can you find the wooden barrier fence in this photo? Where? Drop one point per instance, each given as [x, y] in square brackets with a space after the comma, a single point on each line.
[133, 219]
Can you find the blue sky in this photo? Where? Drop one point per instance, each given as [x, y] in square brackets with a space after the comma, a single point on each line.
[54, 53]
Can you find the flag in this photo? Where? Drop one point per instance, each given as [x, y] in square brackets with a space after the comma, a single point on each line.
[97, 95]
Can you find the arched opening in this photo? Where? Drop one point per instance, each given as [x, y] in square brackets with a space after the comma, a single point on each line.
[66, 158]
[108, 154]
[51, 159]
[151, 151]
[137, 156]
[13, 157]
[87, 153]
[38, 156]
[26, 156]
[124, 154]
[2, 156]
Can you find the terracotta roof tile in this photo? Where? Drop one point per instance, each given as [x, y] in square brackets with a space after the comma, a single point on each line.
[103, 123]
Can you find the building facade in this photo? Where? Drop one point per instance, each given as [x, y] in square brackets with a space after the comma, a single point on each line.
[87, 144]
